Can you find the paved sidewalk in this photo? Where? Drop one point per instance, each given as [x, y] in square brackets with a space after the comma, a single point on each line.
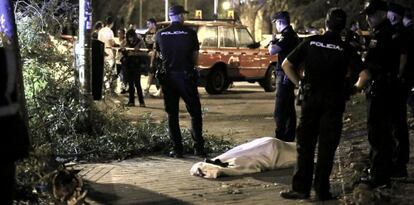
[164, 180]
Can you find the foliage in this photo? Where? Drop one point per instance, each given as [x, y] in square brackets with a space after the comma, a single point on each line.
[56, 117]
[58, 127]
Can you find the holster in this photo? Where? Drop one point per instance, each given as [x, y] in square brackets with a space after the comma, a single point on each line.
[161, 75]
[193, 75]
[381, 85]
[303, 92]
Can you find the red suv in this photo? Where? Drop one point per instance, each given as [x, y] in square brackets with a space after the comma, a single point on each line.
[228, 53]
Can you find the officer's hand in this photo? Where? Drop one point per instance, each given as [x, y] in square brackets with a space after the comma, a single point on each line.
[354, 90]
[357, 89]
[273, 42]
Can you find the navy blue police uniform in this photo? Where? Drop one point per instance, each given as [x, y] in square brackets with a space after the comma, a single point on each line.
[177, 44]
[382, 62]
[284, 112]
[326, 60]
[402, 40]
[15, 142]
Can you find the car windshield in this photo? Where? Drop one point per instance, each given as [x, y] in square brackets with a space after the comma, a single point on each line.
[207, 35]
[226, 38]
[244, 37]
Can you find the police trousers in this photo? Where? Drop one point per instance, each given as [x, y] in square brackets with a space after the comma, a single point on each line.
[400, 127]
[380, 107]
[320, 122]
[284, 112]
[15, 145]
[176, 86]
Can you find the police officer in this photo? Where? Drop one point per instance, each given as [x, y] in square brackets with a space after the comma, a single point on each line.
[400, 38]
[284, 113]
[408, 24]
[353, 36]
[14, 135]
[380, 74]
[328, 64]
[178, 46]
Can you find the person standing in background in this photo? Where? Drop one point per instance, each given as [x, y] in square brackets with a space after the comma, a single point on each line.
[131, 57]
[284, 112]
[380, 77]
[155, 60]
[330, 66]
[96, 28]
[106, 35]
[401, 39]
[120, 70]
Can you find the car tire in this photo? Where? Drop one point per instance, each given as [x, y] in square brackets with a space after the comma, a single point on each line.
[269, 82]
[216, 82]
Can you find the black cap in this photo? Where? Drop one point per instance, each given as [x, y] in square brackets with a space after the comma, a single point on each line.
[281, 15]
[336, 19]
[373, 6]
[396, 8]
[177, 9]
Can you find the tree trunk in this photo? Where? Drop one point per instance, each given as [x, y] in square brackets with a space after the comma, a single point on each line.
[248, 13]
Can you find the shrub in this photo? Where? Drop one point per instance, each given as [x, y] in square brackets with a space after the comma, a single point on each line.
[57, 124]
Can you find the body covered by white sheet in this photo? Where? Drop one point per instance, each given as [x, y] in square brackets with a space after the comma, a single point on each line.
[266, 153]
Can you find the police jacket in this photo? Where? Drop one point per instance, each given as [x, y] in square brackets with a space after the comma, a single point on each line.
[287, 43]
[177, 43]
[383, 54]
[404, 42]
[409, 70]
[326, 59]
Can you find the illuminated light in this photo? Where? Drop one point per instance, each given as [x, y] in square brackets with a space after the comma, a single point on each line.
[230, 14]
[226, 5]
[198, 14]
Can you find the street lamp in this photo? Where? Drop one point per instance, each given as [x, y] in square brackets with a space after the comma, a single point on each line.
[215, 8]
[140, 13]
[226, 5]
[166, 10]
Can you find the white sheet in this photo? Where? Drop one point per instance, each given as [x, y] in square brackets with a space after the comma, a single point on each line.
[266, 153]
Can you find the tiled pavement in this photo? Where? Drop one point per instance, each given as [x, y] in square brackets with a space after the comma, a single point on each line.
[164, 180]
